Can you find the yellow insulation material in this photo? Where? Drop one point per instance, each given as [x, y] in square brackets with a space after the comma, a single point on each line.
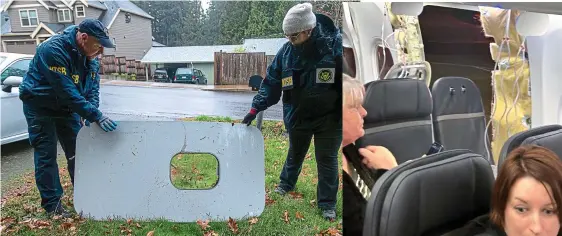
[407, 35]
[511, 69]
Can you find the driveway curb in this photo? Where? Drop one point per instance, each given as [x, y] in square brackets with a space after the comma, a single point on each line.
[143, 84]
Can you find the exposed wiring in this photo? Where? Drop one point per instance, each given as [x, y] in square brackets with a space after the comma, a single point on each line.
[505, 40]
[516, 84]
[508, 65]
[384, 18]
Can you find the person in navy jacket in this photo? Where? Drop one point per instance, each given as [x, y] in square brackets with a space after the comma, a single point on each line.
[306, 76]
[60, 93]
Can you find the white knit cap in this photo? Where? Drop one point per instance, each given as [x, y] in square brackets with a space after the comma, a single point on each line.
[299, 18]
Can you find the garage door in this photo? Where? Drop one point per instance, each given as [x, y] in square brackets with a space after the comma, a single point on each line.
[25, 47]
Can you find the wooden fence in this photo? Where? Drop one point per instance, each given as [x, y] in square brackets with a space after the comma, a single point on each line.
[236, 68]
[110, 64]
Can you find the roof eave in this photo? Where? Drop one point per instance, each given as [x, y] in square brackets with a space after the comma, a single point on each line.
[145, 16]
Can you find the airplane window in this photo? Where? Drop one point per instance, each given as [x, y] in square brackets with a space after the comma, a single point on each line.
[349, 66]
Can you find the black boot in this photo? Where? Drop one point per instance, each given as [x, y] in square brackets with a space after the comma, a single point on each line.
[60, 211]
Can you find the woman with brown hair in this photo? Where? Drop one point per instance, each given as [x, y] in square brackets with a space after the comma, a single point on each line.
[526, 199]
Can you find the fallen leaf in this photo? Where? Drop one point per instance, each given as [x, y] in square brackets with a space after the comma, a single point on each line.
[286, 216]
[203, 224]
[66, 225]
[299, 216]
[138, 225]
[41, 224]
[28, 208]
[312, 203]
[331, 232]
[129, 221]
[73, 228]
[151, 233]
[296, 195]
[253, 221]
[210, 233]
[8, 220]
[232, 225]
[268, 201]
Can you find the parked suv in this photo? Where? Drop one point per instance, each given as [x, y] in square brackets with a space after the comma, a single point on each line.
[189, 75]
[160, 75]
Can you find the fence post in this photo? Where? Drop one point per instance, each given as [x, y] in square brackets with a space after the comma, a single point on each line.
[259, 120]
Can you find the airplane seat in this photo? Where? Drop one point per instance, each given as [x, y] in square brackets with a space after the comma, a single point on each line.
[431, 195]
[459, 119]
[520, 138]
[398, 117]
[550, 140]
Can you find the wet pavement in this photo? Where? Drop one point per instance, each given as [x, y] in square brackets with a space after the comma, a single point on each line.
[140, 103]
[179, 102]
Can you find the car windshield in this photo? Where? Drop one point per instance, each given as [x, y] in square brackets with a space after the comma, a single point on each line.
[2, 59]
[183, 71]
[159, 71]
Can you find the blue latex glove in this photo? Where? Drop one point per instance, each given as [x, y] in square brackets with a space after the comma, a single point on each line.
[107, 124]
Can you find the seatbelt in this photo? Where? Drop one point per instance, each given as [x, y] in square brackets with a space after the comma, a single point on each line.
[363, 176]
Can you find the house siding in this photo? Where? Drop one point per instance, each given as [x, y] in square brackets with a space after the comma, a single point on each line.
[43, 15]
[53, 17]
[91, 12]
[133, 39]
[43, 31]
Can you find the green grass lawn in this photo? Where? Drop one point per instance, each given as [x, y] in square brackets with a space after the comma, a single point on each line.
[294, 214]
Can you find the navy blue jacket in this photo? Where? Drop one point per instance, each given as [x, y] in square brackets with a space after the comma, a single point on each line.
[61, 80]
[308, 76]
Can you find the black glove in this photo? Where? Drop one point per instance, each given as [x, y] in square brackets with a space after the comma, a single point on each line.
[250, 117]
[107, 124]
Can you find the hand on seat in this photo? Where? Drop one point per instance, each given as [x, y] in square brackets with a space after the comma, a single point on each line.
[378, 157]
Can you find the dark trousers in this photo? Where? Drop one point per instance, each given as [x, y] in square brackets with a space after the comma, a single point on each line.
[45, 129]
[327, 141]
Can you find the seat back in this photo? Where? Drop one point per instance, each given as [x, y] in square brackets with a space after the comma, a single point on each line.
[518, 139]
[430, 195]
[459, 119]
[551, 140]
[398, 117]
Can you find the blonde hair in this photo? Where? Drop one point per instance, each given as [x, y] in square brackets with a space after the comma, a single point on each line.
[353, 92]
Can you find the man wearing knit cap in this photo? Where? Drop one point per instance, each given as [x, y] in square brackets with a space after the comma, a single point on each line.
[306, 73]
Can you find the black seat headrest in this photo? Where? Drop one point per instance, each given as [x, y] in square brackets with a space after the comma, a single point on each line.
[551, 140]
[518, 139]
[464, 96]
[430, 195]
[397, 99]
